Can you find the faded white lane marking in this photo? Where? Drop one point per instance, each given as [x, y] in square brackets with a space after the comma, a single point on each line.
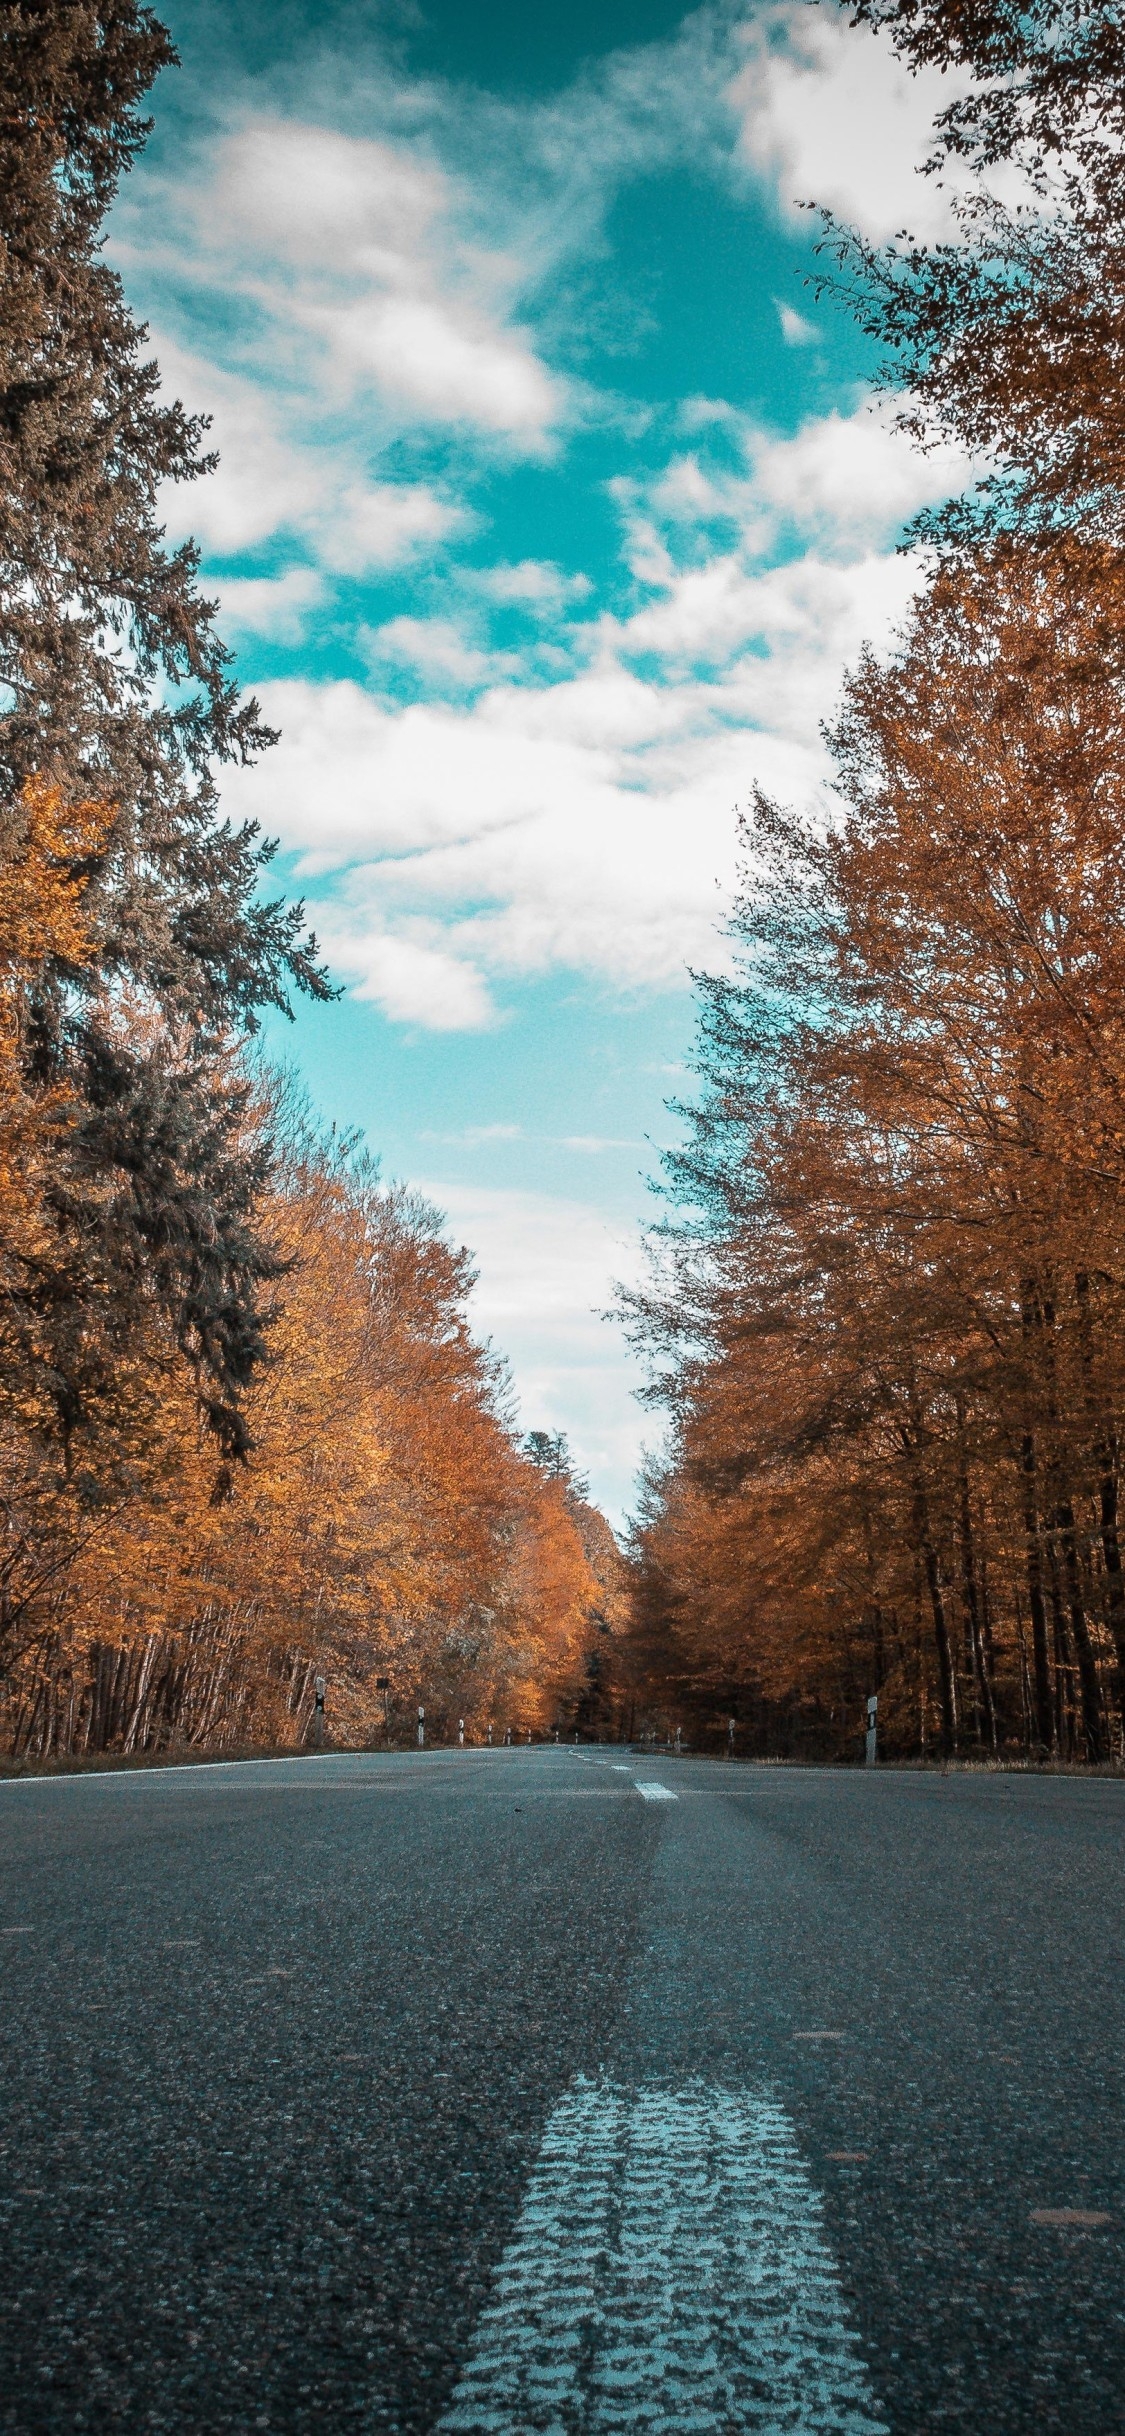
[654, 1792]
[669, 2275]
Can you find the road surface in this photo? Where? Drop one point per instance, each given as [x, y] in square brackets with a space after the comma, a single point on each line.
[489, 2093]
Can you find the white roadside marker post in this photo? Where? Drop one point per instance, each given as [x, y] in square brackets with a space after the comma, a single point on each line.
[490, 1733]
[872, 1712]
[461, 1732]
[421, 1728]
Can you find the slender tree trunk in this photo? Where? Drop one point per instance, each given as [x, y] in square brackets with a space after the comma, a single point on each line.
[1025, 1678]
[1114, 1576]
[1106, 1454]
[1093, 1711]
[1040, 1646]
[875, 1611]
[947, 1680]
[970, 1598]
[1063, 1737]
[988, 1656]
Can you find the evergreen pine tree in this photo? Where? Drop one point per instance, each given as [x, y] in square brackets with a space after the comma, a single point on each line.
[118, 692]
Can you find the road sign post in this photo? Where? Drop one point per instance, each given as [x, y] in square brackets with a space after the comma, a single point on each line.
[318, 1713]
[872, 1712]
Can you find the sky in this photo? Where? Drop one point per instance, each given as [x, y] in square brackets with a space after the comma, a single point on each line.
[551, 507]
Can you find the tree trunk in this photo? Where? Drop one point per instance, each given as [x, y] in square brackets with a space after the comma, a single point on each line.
[1040, 1645]
[1114, 1577]
[988, 1656]
[1062, 1716]
[1106, 1458]
[970, 1600]
[1093, 1711]
[947, 1680]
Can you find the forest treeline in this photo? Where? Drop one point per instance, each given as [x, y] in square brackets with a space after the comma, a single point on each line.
[246, 1434]
[886, 1310]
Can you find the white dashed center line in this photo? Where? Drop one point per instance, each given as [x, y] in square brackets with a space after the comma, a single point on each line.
[655, 1793]
[669, 2272]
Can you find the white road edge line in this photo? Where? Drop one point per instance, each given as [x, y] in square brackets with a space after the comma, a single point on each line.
[211, 1767]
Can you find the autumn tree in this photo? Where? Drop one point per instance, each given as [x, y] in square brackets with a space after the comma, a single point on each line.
[888, 1321]
[385, 1525]
[1006, 337]
[120, 694]
[892, 1318]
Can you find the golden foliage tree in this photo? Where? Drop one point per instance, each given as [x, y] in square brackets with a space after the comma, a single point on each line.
[893, 1318]
[385, 1526]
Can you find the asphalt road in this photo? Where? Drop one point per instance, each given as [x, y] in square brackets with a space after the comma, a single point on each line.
[484, 2093]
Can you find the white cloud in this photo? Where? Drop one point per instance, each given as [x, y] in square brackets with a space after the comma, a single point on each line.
[362, 527]
[413, 980]
[263, 481]
[828, 114]
[473, 1137]
[590, 1145]
[848, 481]
[795, 330]
[536, 585]
[446, 367]
[583, 821]
[272, 481]
[381, 285]
[581, 825]
[435, 649]
[314, 196]
[547, 1269]
[843, 483]
[353, 242]
[276, 606]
